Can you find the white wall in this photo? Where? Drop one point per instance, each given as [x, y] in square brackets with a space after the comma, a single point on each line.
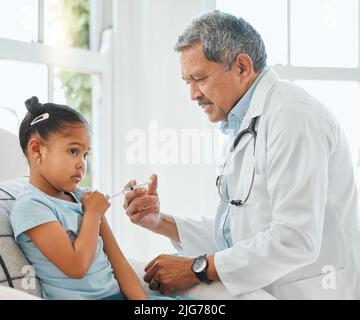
[148, 87]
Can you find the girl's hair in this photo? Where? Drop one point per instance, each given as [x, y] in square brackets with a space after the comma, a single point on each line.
[45, 119]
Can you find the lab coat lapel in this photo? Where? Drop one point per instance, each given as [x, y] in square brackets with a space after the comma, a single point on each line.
[257, 104]
[243, 141]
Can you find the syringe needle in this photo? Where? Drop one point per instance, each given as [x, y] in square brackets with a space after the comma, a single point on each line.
[127, 189]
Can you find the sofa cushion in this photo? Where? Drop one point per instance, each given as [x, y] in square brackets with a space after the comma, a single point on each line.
[15, 270]
[13, 163]
[7, 293]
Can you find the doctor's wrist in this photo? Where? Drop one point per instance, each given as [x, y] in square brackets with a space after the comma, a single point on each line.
[211, 271]
[167, 227]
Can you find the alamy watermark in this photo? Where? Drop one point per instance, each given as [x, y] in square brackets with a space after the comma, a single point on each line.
[171, 146]
[29, 280]
[328, 281]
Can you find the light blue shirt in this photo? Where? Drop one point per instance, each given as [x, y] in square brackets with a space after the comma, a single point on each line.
[232, 127]
[34, 208]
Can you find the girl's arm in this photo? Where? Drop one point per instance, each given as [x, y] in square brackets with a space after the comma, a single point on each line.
[124, 274]
[73, 258]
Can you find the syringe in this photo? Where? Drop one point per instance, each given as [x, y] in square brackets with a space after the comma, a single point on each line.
[131, 188]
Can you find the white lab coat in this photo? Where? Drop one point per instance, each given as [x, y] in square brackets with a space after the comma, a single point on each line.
[302, 217]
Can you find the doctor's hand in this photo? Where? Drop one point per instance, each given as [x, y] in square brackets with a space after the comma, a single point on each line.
[168, 274]
[142, 205]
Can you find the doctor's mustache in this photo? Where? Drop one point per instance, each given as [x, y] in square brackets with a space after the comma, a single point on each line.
[202, 101]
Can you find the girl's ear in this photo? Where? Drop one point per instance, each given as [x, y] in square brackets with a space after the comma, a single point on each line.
[34, 149]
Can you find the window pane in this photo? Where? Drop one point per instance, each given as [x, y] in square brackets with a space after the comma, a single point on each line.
[19, 81]
[9, 120]
[324, 33]
[273, 31]
[67, 23]
[343, 99]
[19, 20]
[75, 90]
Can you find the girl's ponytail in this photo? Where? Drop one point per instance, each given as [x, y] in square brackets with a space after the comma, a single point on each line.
[34, 106]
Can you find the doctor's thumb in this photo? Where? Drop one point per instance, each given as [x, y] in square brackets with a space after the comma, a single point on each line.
[153, 185]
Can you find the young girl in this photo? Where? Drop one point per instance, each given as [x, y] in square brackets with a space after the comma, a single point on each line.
[62, 231]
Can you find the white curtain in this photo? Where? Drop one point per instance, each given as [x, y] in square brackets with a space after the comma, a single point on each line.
[150, 97]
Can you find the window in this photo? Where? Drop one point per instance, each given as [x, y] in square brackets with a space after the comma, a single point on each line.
[325, 36]
[16, 89]
[316, 44]
[18, 20]
[66, 23]
[273, 31]
[45, 51]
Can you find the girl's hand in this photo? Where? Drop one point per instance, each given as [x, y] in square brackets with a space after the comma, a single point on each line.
[95, 202]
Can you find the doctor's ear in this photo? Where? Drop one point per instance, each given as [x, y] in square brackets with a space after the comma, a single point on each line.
[244, 65]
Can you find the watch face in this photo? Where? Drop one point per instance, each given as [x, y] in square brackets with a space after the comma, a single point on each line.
[199, 265]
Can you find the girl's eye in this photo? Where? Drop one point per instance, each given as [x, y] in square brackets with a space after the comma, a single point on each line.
[86, 156]
[73, 152]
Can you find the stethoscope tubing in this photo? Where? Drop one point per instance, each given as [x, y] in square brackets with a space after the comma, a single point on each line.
[250, 130]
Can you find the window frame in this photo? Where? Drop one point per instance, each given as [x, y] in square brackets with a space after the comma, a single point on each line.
[293, 73]
[96, 61]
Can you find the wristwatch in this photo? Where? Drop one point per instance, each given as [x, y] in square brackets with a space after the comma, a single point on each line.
[199, 267]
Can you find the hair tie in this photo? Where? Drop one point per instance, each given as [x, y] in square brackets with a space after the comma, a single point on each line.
[34, 106]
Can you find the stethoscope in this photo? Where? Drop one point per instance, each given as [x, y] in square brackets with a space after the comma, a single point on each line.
[252, 131]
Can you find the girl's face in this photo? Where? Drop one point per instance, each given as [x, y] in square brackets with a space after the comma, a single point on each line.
[64, 159]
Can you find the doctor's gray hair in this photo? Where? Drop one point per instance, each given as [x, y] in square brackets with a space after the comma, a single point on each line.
[224, 36]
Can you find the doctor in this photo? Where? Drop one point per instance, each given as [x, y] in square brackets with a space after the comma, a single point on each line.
[288, 206]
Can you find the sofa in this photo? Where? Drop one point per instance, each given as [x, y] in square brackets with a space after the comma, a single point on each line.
[15, 270]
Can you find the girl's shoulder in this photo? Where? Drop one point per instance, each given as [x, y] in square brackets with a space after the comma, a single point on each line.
[30, 197]
[31, 193]
[31, 209]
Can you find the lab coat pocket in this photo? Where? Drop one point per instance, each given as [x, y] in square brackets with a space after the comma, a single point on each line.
[257, 205]
[258, 191]
[326, 286]
[254, 216]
